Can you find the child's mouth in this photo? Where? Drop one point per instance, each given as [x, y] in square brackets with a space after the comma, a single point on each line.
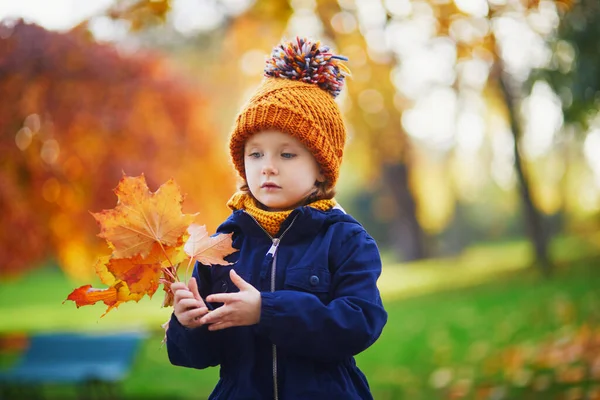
[270, 186]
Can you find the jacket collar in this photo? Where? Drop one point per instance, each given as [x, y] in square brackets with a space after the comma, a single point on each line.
[307, 222]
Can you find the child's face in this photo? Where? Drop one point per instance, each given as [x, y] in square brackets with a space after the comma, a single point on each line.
[280, 171]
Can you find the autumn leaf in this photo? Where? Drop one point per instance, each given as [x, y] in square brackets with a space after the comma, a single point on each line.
[142, 218]
[112, 296]
[207, 249]
[129, 278]
[103, 273]
[86, 295]
[169, 296]
[142, 275]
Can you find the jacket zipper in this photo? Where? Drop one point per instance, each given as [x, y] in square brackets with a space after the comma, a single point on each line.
[273, 252]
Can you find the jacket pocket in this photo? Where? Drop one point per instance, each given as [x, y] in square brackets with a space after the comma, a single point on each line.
[315, 280]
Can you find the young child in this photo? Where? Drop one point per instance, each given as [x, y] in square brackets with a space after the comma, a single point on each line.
[300, 299]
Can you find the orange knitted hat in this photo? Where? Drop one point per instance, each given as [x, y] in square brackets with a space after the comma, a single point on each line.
[297, 96]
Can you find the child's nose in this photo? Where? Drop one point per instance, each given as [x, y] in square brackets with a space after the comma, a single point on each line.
[269, 167]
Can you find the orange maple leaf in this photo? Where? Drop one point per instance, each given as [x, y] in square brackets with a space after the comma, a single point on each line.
[142, 218]
[142, 275]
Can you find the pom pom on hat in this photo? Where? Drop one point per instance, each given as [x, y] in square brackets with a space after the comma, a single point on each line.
[297, 96]
[308, 61]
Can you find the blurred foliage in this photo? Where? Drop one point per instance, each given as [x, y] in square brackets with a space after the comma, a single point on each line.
[75, 116]
[573, 72]
[140, 14]
[440, 181]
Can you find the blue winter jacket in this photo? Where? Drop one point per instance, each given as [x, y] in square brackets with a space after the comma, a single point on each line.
[320, 307]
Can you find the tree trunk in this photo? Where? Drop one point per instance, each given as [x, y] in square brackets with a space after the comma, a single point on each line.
[534, 222]
[406, 235]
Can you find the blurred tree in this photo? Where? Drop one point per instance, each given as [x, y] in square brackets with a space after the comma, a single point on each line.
[375, 118]
[226, 57]
[512, 91]
[75, 115]
[573, 72]
[534, 223]
[140, 14]
[473, 28]
[573, 75]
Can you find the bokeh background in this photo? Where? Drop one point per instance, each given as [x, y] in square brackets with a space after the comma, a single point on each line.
[473, 159]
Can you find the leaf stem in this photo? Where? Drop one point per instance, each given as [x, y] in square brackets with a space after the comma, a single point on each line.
[168, 272]
[170, 263]
[187, 269]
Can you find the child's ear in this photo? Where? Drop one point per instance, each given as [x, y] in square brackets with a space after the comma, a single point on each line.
[321, 177]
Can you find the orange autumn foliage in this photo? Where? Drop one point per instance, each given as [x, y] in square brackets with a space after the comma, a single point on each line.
[74, 115]
[149, 236]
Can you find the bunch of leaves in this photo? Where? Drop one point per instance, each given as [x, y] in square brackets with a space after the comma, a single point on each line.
[150, 237]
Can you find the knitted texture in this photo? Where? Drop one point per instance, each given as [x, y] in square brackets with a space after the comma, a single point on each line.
[302, 109]
[308, 61]
[270, 220]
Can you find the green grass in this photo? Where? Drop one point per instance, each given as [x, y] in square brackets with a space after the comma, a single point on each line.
[452, 326]
[477, 264]
[464, 330]
[35, 303]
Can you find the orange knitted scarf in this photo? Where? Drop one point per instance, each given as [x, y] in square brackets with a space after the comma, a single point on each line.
[270, 220]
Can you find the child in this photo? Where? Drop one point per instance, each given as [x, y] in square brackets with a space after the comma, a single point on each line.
[300, 299]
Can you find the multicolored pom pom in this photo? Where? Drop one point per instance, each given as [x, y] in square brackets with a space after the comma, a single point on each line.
[308, 61]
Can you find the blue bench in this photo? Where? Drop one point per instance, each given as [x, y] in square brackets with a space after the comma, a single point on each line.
[86, 360]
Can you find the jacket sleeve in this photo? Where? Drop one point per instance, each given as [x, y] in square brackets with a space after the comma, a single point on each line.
[197, 347]
[301, 324]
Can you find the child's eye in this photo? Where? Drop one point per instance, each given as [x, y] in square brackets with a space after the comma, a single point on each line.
[255, 154]
[288, 155]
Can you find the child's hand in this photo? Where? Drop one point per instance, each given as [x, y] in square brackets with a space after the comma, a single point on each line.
[239, 309]
[188, 306]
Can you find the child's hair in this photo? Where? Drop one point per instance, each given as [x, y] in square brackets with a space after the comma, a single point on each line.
[297, 96]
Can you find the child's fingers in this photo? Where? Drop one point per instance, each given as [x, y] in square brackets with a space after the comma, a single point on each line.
[218, 315]
[186, 304]
[219, 326]
[238, 281]
[193, 287]
[191, 318]
[222, 297]
[182, 294]
[196, 313]
[175, 286]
